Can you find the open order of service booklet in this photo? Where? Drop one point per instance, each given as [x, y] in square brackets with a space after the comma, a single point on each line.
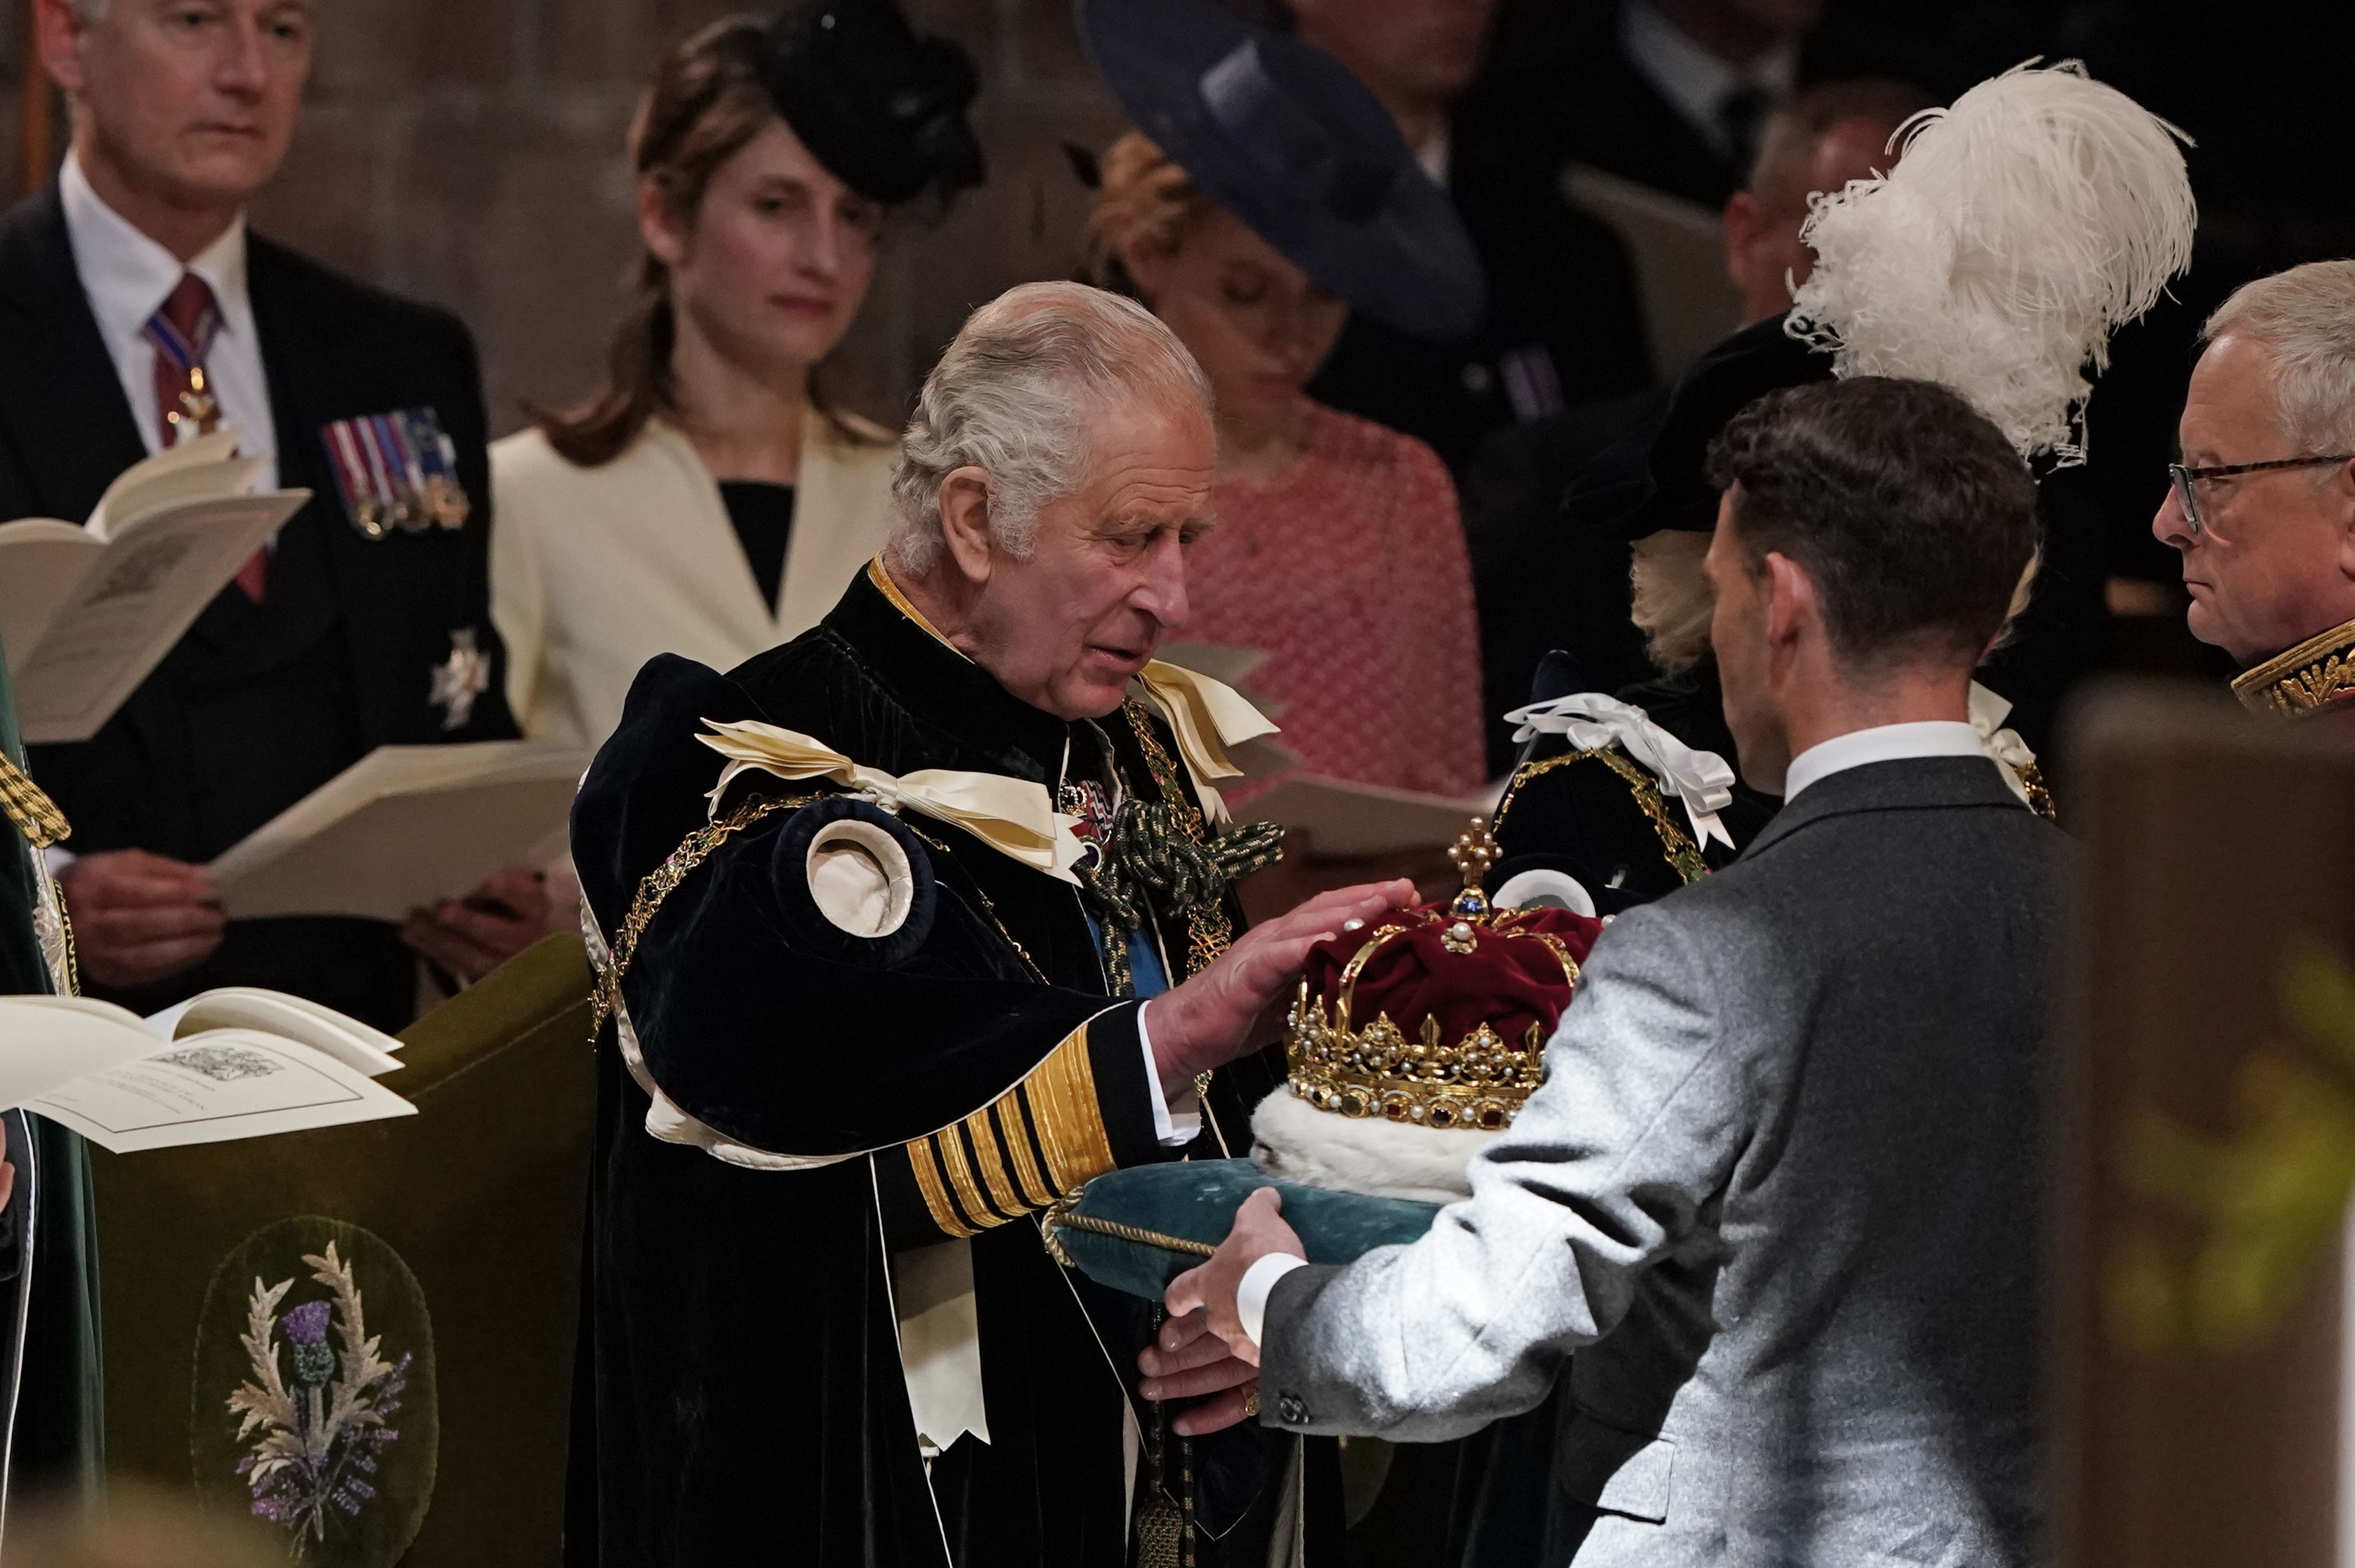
[87, 609]
[1345, 820]
[239, 1063]
[403, 829]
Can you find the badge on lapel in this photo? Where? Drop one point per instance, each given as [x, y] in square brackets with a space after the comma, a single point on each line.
[460, 678]
[396, 470]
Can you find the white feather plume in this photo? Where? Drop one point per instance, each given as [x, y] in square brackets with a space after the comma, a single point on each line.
[2018, 230]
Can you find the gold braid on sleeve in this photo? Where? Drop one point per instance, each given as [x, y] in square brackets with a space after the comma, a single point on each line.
[1041, 1140]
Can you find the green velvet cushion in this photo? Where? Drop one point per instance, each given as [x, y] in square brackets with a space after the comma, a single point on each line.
[1197, 1201]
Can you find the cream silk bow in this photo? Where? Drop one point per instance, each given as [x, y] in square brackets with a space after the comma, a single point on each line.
[1208, 717]
[2004, 747]
[1013, 817]
[1589, 719]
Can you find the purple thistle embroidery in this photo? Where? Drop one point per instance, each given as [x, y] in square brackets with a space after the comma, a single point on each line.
[307, 1330]
[322, 1437]
[307, 1324]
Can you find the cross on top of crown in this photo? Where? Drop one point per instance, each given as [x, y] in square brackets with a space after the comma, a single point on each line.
[1474, 852]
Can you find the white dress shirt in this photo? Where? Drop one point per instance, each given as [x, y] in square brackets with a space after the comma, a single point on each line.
[1882, 743]
[127, 276]
[1174, 1127]
[1696, 82]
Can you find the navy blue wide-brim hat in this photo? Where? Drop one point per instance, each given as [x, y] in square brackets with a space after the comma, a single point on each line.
[1281, 135]
[1656, 477]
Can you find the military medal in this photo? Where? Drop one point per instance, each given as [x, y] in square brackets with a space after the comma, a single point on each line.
[199, 410]
[460, 678]
[437, 460]
[388, 438]
[396, 471]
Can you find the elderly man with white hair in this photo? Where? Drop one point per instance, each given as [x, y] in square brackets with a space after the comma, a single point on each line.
[908, 927]
[2263, 503]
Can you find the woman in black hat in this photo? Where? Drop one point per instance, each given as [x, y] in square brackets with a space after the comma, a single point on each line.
[712, 501]
[1267, 195]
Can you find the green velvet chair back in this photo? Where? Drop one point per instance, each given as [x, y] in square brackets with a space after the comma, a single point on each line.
[459, 1228]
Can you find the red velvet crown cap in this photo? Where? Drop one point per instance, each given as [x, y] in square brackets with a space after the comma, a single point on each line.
[1511, 978]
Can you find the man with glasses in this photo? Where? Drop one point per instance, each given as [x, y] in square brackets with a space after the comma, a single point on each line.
[2263, 503]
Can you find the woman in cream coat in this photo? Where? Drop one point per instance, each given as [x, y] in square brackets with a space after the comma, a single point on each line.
[710, 502]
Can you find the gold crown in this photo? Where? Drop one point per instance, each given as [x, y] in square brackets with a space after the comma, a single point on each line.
[1479, 1081]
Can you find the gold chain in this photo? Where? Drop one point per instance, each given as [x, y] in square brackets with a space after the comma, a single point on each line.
[1208, 931]
[1681, 853]
[2039, 794]
[605, 998]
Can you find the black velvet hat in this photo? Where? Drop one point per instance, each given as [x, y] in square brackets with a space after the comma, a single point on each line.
[1653, 477]
[1280, 134]
[880, 108]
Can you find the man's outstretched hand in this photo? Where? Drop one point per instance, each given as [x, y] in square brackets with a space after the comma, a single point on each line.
[1259, 1230]
[1230, 1009]
[1189, 1361]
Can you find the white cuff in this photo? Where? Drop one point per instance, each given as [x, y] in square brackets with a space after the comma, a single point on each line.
[1258, 1283]
[1178, 1125]
[57, 858]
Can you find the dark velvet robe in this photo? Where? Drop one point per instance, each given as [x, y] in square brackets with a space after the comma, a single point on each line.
[1585, 818]
[49, 1369]
[742, 1394]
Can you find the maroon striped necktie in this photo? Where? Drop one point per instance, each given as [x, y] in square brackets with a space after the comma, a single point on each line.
[183, 333]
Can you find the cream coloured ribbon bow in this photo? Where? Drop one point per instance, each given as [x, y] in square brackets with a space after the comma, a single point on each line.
[2004, 747]
[1013, 817]
[1589, 719]
[1208, 716]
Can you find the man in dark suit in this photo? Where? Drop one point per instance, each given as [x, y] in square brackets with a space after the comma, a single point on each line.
[1563, 323]
[1778, 1189]
[1672, 94]
[134, 305]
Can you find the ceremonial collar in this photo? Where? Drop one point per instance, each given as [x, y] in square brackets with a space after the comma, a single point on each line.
[1206, 718]
[2317, 676]
[940, 685]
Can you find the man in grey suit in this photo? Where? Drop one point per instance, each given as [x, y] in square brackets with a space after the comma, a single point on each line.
[1778, 1189]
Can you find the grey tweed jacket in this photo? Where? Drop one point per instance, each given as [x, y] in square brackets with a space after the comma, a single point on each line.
[1777, 1194]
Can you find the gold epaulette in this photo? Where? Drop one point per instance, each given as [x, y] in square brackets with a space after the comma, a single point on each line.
[2316, 674]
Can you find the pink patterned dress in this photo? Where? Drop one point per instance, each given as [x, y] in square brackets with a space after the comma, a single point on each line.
[1348, 572]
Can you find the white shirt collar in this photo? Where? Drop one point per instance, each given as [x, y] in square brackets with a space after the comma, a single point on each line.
[1881, 743]
[1437, 155]
[128, 276]
[1696, 82]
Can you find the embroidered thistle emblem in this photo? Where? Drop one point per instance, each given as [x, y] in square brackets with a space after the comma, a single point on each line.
[321, 1433]
[2262, 1200]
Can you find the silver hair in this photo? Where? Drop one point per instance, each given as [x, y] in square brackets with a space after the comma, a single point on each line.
[2306, 320]
[1012, 396]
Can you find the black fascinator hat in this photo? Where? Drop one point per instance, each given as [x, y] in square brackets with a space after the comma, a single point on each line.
[880, 108]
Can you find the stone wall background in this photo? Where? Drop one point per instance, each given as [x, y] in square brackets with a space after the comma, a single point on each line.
[469, 152]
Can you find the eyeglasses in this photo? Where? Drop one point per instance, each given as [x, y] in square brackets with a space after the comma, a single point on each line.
[2185, 479]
